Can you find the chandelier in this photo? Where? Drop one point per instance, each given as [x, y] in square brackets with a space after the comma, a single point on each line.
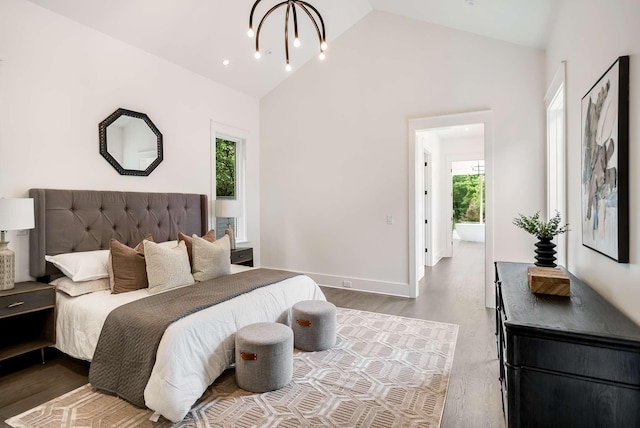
[293, 6]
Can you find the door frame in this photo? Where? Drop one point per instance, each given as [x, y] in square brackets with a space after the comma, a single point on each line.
[428, 212]
[416, 183]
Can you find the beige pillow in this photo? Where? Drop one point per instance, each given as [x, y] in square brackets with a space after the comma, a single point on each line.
[211, 259]
[127, 269]
[209, 236]
[74, 289]
[167, 267]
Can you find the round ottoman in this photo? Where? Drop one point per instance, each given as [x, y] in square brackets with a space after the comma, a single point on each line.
[264, 356]
[314, 325]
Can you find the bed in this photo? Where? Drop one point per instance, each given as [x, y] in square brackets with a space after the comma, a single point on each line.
[194, 350]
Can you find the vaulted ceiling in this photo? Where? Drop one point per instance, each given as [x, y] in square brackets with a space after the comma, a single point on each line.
[200, 34]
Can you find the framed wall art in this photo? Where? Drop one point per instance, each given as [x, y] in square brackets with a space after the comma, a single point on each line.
[605, 163]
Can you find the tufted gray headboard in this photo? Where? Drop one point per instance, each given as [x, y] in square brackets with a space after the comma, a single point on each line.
[86, 220]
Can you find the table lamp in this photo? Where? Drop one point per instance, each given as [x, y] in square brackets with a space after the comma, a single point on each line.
[15, 214]
[229, 208]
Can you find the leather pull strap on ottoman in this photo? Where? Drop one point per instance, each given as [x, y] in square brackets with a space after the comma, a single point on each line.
[314, 325]
[264, 356]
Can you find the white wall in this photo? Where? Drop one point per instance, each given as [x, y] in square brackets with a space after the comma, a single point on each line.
[590, 35]
[59, 79]
[334, 145]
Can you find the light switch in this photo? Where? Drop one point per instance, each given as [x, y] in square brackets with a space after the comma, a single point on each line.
[389, 219]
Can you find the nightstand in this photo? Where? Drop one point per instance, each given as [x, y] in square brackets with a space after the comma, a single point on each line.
[242, 256]
[27, 319]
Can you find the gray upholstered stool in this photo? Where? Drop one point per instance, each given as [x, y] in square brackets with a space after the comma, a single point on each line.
[314, 325]
[264, 356]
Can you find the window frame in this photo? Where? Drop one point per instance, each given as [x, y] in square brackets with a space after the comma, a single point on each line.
[238, 137]
[556, 161]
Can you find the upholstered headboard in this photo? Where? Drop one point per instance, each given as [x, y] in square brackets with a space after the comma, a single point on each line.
[85, 220]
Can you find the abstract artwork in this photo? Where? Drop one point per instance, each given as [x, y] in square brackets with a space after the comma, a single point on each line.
[605, 149]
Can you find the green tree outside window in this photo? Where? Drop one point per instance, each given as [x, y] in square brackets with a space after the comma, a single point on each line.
[466, 198]
[225, 168]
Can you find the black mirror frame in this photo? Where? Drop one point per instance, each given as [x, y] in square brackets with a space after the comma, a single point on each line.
[102, 130]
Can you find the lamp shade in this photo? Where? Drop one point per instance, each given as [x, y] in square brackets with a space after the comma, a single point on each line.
[16, 214]
[229, 208]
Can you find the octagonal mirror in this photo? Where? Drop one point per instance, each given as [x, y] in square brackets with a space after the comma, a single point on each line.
[130, 142]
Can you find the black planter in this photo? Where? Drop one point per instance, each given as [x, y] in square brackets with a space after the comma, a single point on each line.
[545, 253]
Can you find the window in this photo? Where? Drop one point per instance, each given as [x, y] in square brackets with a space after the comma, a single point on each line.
[556, 167]
[230, 181]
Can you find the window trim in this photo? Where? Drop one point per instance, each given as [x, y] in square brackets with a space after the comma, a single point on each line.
[556, 160]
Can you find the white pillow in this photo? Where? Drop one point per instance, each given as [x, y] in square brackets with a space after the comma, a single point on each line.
[74, 289]
[166, 267]
[210, 259]
[83, 265]
[168, 244]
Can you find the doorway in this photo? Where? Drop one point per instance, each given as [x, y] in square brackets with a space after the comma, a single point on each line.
[468, 203]
[435, 212]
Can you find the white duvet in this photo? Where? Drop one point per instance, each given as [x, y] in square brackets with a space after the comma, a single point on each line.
[193, 351]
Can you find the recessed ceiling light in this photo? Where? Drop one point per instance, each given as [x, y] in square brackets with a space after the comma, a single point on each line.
[225, 62]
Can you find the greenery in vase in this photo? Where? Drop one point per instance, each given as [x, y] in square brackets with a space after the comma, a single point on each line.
[539, 228]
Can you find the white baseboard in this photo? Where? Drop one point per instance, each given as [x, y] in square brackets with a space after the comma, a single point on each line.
[360, 284]
[437, 257]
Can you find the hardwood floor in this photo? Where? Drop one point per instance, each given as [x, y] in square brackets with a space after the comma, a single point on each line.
[452, 292]
[26, 383]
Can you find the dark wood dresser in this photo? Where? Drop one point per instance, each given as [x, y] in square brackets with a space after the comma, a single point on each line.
[564, 361]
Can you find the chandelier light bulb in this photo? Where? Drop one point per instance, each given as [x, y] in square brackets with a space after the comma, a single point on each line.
[322, 56]
[293, 9]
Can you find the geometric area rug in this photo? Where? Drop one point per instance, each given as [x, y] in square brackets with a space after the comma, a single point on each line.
[385, 371]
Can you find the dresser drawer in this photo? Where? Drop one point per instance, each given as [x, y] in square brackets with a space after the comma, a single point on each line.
[241, 255]
[595, 361]
[26, 302]
[558, 400]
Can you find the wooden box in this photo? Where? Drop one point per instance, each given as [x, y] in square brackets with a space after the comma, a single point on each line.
[547, 280]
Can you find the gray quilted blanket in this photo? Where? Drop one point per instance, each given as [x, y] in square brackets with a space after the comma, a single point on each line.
[126, 350]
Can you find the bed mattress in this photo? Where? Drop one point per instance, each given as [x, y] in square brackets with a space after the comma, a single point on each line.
[193, 351]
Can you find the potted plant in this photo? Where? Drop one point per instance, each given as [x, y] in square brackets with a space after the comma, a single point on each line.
[544, 231]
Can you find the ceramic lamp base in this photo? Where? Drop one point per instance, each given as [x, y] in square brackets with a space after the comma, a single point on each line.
[232, 236]
[7, 266]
